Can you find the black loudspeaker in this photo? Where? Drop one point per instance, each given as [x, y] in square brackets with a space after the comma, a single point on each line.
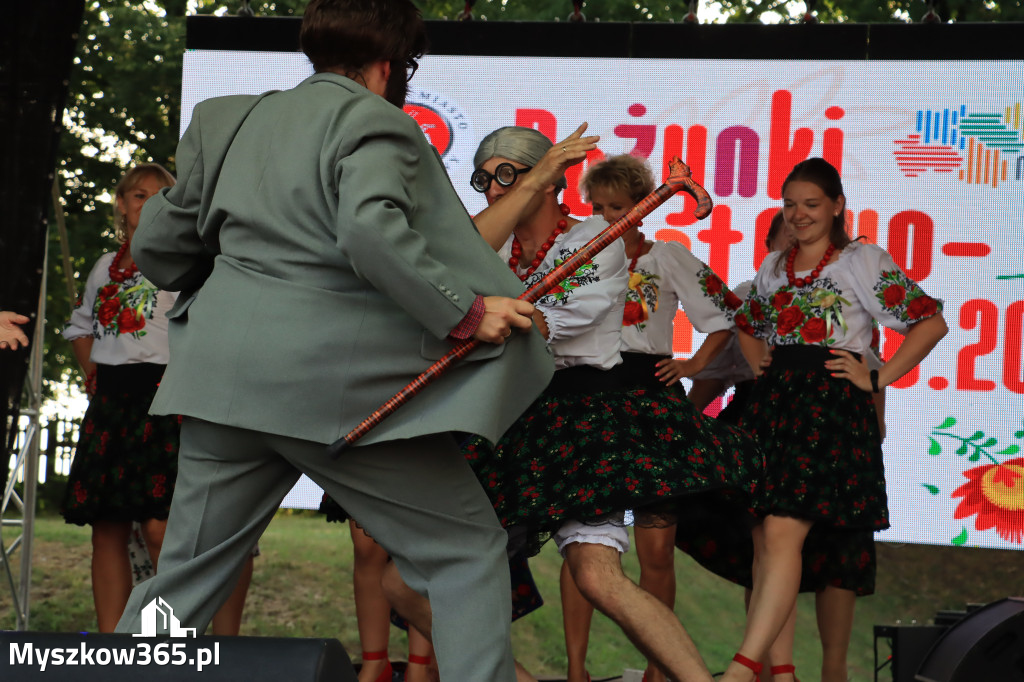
[986, 646]
[908, 644]
[77, 657]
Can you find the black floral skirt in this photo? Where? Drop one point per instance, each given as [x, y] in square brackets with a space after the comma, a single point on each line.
[126, 461]
[823, 462]
[597, 443]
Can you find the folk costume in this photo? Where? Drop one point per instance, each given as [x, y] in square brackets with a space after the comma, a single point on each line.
[126, 460]
[606, 435]
[819, 434]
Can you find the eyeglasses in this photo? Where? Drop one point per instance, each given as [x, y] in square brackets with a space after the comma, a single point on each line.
[410, 69]
[505, 175]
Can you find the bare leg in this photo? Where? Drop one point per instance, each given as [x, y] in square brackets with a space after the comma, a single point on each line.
[835, 607]
[111, 572]
[522, 674]
[373, 612]
[781, 651]
[577, 614]
[410, 605]
[650, 625]
[227, 622]
[421, 667]
[655, 549]
[415, 608]
[777, 565]
[153, 533]
[765, 660]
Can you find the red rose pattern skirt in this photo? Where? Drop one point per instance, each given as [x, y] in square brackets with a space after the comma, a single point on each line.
[126, 461]
[595, 444]
[823, 462]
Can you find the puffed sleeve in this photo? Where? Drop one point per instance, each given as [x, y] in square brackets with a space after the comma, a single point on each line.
[80, 323]
[708, 303]
[750, 317]
[587, 296]
[885, 291]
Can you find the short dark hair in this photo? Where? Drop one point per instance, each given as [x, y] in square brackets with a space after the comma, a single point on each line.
[353, 33]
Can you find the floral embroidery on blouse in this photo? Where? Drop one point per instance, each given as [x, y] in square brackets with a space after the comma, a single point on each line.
[715, 289]
[795, 316]
[559, 295]
[902, 297]
[123, 308]
[641, 299]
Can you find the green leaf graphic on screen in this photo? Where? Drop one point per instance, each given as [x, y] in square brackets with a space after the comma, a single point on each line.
[969, 444]
[976, 446]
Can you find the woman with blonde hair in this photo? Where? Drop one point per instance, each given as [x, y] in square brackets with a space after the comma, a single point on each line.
[125, 464]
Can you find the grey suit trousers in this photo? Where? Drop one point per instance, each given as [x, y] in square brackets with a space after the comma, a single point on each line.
[418, 498]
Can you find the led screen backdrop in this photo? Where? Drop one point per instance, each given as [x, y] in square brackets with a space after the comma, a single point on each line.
[931, 154]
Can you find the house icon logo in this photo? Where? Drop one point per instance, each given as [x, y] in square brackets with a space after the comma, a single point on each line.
[158, 619]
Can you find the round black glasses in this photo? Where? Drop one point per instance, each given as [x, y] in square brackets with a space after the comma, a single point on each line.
[505, 175]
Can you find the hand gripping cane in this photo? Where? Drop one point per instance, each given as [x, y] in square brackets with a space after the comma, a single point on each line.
[678, 180]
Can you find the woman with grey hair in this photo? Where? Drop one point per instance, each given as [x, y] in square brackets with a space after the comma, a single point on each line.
[600, 439]
[595, 442]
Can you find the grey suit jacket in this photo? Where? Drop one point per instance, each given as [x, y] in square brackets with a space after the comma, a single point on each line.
[324, 257]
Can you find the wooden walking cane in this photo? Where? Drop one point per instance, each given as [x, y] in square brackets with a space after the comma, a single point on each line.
[679, 179]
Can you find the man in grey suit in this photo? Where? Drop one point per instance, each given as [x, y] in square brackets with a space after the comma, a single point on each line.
[324, 261]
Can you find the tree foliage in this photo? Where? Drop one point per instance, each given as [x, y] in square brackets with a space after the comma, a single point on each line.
[124, 93]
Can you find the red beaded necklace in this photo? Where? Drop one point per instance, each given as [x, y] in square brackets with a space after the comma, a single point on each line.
[517, 248]
[121, 274]
[805, 281]
[639, 252]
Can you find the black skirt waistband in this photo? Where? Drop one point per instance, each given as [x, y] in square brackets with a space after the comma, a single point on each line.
[803, 357]
[635, 371]
[140, 377]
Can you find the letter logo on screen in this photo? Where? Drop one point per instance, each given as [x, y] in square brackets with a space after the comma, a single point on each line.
[444, 123]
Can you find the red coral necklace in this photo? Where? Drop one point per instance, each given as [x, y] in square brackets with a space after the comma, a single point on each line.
[804, 281]
[121, 274]
[517, 248]
[640, 250]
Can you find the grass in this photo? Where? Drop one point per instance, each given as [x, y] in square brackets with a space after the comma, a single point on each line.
[302, 587]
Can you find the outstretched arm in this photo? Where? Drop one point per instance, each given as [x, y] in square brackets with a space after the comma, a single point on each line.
[11, 335]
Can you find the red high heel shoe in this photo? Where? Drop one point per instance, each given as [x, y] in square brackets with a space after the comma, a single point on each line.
[416, 659]
[784, 669]
[752, 665]
[388, 672]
